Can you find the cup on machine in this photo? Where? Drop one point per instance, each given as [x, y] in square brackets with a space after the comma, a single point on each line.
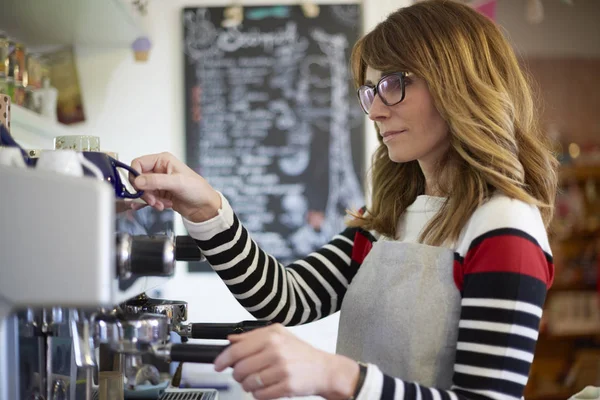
[110, 170]
[12, 157]
[67, 162]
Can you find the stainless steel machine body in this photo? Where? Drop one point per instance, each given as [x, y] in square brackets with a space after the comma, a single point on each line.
[59, 270]
[62, 302]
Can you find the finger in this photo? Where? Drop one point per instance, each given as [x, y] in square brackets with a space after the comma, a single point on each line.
[159, 206]
[262, 379]
[149, 198]
[272, 392]
[146, 163]
[258, 332]
[158, 182]
[235, 337]
[138, 206]
[253, 382]
[167, 203]
[280, 388]
[237, 352]
[251, 365]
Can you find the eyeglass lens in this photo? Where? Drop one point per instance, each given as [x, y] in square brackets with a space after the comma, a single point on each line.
[390, 89]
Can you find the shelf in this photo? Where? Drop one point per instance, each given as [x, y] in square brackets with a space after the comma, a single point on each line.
[561, 395]
[33, 131]
[573, 287]
[92, 23]
[568, 336]
[578, 172]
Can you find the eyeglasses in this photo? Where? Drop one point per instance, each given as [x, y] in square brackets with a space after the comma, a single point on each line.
[390, 89]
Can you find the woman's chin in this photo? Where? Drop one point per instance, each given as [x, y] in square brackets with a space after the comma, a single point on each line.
[399, 157]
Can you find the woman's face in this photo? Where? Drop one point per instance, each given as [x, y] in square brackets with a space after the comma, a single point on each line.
[412, 129]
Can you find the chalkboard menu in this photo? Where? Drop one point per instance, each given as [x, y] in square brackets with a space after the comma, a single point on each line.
[272, 119]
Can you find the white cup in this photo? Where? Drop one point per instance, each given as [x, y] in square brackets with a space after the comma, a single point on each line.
[12, 157]
[68, 162]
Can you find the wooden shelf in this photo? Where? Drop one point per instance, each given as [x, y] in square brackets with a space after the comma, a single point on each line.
[573, 287]
[92, 23]
[557, 348]
[561, 395]
[578, 172]
[550, 336]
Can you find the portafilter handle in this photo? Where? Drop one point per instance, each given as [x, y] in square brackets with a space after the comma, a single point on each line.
[219, 330]
[194, 353]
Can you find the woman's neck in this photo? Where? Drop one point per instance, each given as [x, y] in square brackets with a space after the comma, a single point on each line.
[433, 190]
[434, 175]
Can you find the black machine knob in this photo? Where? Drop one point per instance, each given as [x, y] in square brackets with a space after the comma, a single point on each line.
[145, 256]
[152, 256]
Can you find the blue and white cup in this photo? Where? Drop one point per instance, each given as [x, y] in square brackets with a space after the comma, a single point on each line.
[109, 167]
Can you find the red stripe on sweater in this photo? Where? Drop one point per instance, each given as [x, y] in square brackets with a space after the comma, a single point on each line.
[505, 253]
[362, 246]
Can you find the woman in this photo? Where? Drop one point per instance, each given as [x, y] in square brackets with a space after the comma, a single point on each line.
[442, 279]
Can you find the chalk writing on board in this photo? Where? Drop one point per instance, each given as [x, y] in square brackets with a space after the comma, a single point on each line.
[271, 120]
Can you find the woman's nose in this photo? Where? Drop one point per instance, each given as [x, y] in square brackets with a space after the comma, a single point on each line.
[378, 109]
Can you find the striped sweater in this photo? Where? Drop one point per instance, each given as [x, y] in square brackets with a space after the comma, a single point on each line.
[502, 268]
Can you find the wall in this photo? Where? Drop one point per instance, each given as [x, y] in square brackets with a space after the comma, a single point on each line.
[566, 30]
[562, 56]
[569, 91]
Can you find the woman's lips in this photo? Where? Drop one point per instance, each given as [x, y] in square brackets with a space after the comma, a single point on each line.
[389, 135]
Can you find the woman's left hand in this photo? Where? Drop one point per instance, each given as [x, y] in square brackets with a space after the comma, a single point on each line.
[271, 363]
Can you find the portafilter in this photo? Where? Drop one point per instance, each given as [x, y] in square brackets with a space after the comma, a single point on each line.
[176, 312]
[149, 334]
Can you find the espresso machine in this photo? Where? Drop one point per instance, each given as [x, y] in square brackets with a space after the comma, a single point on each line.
[69, 328]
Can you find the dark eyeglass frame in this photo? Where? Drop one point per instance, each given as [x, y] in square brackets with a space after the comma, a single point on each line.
[376, 90]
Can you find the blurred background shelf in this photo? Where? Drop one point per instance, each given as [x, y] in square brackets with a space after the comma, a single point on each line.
[567, 356]
[92, 23]
[32, 130]
[578, 172]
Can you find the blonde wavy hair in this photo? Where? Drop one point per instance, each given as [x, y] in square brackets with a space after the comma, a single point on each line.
[481, 92]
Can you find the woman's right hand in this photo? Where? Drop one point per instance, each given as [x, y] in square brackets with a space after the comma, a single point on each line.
[168, 183]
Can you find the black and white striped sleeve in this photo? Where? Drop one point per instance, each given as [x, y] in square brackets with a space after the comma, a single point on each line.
[302, 292]
[498, 330]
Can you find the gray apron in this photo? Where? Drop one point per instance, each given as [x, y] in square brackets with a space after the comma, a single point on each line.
[401, 312]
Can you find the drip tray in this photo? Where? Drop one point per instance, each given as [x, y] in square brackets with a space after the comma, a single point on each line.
[189, 394]
[180, 394]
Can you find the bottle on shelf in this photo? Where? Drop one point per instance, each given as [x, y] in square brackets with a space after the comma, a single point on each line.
[48, 100]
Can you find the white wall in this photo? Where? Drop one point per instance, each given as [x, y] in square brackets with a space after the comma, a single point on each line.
[138, 108]
[566, 30]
